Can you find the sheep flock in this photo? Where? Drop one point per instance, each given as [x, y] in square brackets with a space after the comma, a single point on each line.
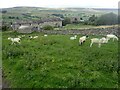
[99, 41]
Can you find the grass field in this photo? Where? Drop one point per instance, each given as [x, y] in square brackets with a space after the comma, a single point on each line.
[77, 26]
[58, 62]
[82, 26]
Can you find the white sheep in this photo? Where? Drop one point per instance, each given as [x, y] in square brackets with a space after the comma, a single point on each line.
[72, 38]
[14, 40]
[82, 39]
[98, 41]
[19, 36]
[104, 40]
[45, 35]
[35, 37]
[109, 36]
[23, 36]
[95, 40]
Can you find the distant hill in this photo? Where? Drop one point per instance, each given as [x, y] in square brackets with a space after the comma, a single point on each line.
[107, 10]
[36, 13]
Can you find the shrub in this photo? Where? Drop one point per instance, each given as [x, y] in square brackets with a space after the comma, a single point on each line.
[5, 28]
[66, 21]
[107, 19]
[48, 27]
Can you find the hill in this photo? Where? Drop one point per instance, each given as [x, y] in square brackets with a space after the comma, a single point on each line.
[35, 13]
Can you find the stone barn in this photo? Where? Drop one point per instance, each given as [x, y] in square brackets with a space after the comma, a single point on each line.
[30, 26]
[55, 22]
[24, 29]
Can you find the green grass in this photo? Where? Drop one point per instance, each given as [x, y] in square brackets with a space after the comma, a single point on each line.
[82, 26]
[77, 26]
[58, 62]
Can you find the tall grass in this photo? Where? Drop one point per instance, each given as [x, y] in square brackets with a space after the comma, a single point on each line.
[58, 62]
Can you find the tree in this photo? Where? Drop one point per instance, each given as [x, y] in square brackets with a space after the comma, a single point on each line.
[66, 21]
[48, 27]
[5, 28]
[92, 20]
[107, 19]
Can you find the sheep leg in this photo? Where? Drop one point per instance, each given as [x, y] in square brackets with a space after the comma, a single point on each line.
[19, 42]
[80, 43]
[99, 45]
[117, 38]
[113, 39]
[91, 44]
[12, 43]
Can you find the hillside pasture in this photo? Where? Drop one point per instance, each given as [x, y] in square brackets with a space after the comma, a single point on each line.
[56, 61]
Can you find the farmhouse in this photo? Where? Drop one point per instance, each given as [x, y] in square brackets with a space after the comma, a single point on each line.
[36, 25]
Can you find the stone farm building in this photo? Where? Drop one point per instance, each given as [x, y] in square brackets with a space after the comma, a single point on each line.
[30, 26]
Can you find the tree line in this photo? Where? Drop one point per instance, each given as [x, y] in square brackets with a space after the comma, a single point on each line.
[106, 19]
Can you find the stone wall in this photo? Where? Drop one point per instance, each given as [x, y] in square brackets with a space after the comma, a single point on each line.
[54, 24]
[94, 31]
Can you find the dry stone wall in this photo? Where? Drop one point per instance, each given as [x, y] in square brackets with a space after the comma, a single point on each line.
[93, 31]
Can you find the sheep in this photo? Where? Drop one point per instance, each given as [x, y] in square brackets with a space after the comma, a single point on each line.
[95, 40]
[35, 37]
[109, 36]
[99, 41]
[72, 38]
[30, 37]
[45, 35]
[104, 40]
[23, 36]
[19, 36]
[17, 40]
[82, 39]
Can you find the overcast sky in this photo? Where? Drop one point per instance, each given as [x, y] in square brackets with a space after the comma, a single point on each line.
[61, 3]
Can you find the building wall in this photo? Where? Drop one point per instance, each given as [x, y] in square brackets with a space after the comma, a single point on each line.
[54, 24]
[36, 26]
[26, 30]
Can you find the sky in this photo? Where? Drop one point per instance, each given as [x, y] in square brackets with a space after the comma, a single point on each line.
[60, 3]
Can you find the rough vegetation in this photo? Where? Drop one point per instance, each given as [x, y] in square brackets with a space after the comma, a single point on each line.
[57, 62]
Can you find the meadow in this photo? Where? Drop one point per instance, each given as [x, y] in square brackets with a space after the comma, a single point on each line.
[56, 61]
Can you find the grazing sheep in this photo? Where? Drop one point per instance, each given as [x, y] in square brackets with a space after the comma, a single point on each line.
[72, 38]
[104, 40]
[98, 41]
[109, 36]
[19, 36]
[45, 35]
[14, 40]
[23, 36]
[95, 40]
[35, 37]
[82, 39]
[30, 37]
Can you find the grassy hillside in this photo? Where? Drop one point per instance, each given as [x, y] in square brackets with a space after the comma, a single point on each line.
[58, 62]
[36, 13]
